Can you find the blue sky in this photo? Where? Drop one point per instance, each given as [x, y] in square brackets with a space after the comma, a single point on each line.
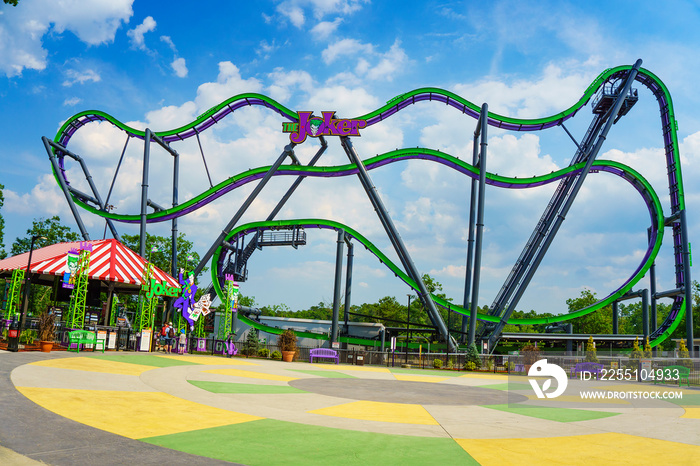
[160, 64]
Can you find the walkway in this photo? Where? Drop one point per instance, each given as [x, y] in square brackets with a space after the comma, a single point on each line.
[120, 408]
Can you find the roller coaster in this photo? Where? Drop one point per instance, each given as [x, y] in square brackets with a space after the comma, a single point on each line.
[611, 96]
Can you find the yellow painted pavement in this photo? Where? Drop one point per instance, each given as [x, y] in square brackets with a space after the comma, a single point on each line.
[210, 360]
[251, 375]
[691, 412]
[608, 448]
[132, 414]
[95, 365]
[379, 411]
[420, 378]
[477, 375]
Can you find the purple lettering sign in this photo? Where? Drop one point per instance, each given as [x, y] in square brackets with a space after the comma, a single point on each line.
[314, 126]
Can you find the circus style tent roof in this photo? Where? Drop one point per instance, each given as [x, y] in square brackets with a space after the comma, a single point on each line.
[110, 262]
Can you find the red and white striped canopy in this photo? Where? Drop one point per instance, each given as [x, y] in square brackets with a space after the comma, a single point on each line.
[110, 261]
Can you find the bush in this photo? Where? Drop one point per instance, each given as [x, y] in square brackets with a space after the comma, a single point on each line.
[264, 352]
[530, 354]
[251, 343]
[470, 366]
[437, 363]
[591, 352]
[647, 349]
[28, 336]
[635, 355]
[287, 340]
[276, 355]
[473, 357]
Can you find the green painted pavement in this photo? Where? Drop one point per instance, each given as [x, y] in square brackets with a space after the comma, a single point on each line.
[507, 386]
[687, 400]
[553, 414]
[327, 374]
[225, 387]
[144, 360]
[269, 442]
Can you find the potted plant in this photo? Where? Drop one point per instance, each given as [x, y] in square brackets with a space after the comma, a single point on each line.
[287, 342]
[46, 331]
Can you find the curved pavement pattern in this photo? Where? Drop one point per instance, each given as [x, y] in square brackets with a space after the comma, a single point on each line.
[122, 408]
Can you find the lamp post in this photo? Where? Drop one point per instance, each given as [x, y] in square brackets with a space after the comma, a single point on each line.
[408, 323]
[27, 282]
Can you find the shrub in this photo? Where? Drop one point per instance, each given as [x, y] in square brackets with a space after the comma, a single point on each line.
[264, 352]
[647, 349]
[635, 355]
[473, 356]
[530, 354]
[276, 355]
[684, 354]
[470, 366]
[251, 343]
[451, 363]
[437, 363]
[28, 336]
[287, 340]
[591, 352]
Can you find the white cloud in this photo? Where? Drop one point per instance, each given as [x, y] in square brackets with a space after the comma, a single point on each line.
[293, 10]
[389, 64]
[24, 27]
[284, 83]
[136, 35]
[345, 47]
[324, 29]
[180, 67]
[81, 77]
[228, 83]
[169, 42]
[70, 102]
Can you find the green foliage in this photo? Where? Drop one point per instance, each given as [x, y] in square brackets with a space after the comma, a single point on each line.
[595, 322]
[470, 366]
[287, 340]
[264, 352]
[591, 352]
[163, 254]
[647, 349]
[437, 363]
[635, 355]
[276, 355]
[251, 343]
[684, 355]
[50, 228]
[489, 364]
[450, 363]
[11, 2]
[473, 356]
[46, 326]
[28, 336]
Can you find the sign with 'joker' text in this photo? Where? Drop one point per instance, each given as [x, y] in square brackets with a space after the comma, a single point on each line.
[314, 126]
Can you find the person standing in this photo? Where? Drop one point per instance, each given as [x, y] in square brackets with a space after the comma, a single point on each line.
[171, 338]
[182, 341]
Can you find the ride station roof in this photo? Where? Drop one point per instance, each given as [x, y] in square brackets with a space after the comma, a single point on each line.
[110, 262]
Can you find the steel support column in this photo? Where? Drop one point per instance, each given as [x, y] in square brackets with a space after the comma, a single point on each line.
[688, 286]
[470, 241]
[348, 283]
[144, 192]
[395, 238]
[336, 286]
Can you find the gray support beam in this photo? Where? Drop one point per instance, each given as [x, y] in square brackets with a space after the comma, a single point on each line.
[144, 192]
[176, 187]
[249, 200]
[336, 286]
[203, 159]
[652, 293]
[97, 200]
[298, 181]
[348, 283]
[645, 313]
[688, 286]
[470, 243]
[615, 317]
[569, 201]
[474, 306]
[64, 188]
[395, 238]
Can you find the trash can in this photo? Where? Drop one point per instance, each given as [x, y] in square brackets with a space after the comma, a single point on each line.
[13, 337]
[351, 358]
[360, 359]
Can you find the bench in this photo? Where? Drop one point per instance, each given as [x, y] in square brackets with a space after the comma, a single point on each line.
[83, 337]
[326, 353]
[592, 367]
[683, 375]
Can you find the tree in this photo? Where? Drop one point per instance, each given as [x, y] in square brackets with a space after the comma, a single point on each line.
[252, 343]
[3, 254]
[162, 256]
[49, 228]
[11, 2]
[594, 323]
